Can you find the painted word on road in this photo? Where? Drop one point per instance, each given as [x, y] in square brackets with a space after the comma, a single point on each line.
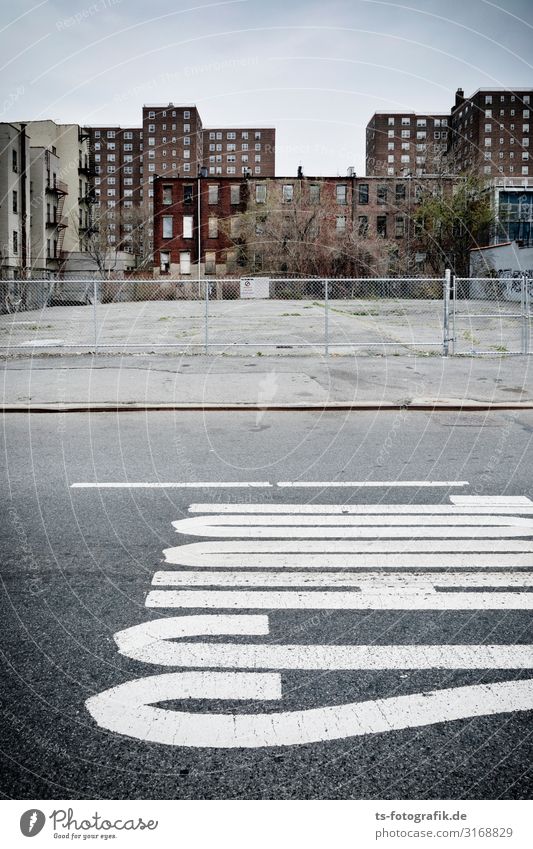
[265, 557]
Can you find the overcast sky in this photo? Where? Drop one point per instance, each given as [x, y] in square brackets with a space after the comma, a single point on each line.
[316, 71]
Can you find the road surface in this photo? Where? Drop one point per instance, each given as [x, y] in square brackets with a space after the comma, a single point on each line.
[260, 605]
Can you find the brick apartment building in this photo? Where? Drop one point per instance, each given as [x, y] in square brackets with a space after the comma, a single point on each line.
[490, 132]
[487, 133]
[173, 141]
[233, 238]
[402, 143]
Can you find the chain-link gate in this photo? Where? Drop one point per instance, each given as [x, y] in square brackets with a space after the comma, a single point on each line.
[490, 315]
[263, 315]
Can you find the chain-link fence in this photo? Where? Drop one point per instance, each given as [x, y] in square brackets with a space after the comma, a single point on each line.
[491, 315]
[264, 315]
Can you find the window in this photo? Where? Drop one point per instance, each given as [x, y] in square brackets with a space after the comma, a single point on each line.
[406, 122]
[340, 224]
[187, 226]
[210, 262]
[288, 193]
[97, 134]
[341, 191]
[167, 226]
[164, 261]
[235, 194]
[244, 146]
[128, 135]
[234, 227]
[151, 114]
[382, 194]
[260, 193]
[186, 114]
[244, 134]
[212, 194]
[406, 134]
[186, 140]
[399, 226]
[167, 195]
[15, 202]
[421, 122]
[381, 226]
[185, 262]
[186, 154]
[110, 134]
[14, 161]
[488, 128]
[128, 147]
[231, 135]
[212, 228]
[488, 99]
[186, 167]
[363, 193]
[400, 192]
[362, 225]
[15, 242]
[187, 194]
[390, 122]
[187, 129]
[390, 134]
[314, 193]
[257, 135]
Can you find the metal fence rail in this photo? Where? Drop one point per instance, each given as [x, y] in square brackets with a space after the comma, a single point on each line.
[268, 314]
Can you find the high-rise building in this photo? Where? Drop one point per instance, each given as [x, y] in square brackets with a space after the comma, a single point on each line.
[490, 132]
[230, 151]
[402, 143]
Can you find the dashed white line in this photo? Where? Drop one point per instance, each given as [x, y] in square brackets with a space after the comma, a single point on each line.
[370, 484]
[169, 484]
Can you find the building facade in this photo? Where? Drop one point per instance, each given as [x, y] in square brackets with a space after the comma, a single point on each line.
[225, 226]
[405, 143]
[15, 235]
[490, 133]
[239, 151]
[71, 145]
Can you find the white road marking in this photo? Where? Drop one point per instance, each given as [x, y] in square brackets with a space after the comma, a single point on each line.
[385, 520]
[169, 484]
[337, 600]
[401, 554]
[370, 484]
[192, 527]
[365, 509]
[491, 500]
[473, 533]
[153, 642]
[127, 709]
[364, 580]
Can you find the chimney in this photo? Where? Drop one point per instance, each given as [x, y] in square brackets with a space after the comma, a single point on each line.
[459, 97]
[300, 172]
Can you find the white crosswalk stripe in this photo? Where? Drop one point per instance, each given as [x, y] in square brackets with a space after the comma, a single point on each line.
[268, 557]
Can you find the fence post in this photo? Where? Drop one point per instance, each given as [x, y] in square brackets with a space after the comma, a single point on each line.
[446, 318]
[526, 306]
[206, 299]
[326, 317]
[95, 298]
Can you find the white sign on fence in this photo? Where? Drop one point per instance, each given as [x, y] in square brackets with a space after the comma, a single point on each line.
[255, 287]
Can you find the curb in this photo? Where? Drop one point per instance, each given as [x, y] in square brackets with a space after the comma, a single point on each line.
[340, 406]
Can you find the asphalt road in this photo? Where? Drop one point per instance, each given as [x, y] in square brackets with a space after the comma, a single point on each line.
[78, 567]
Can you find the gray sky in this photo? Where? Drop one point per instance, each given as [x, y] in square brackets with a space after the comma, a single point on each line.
[316, 71]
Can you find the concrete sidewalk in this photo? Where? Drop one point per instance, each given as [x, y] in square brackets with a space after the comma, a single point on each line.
[115, 382]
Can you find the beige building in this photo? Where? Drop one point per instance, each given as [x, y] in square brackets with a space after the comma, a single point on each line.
[15, 239]
[71, 145]
[47, 222]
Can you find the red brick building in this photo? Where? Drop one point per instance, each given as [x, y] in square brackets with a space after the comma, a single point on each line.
[234, 238]
[236, 151]
[402, 143]
[491, 131]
